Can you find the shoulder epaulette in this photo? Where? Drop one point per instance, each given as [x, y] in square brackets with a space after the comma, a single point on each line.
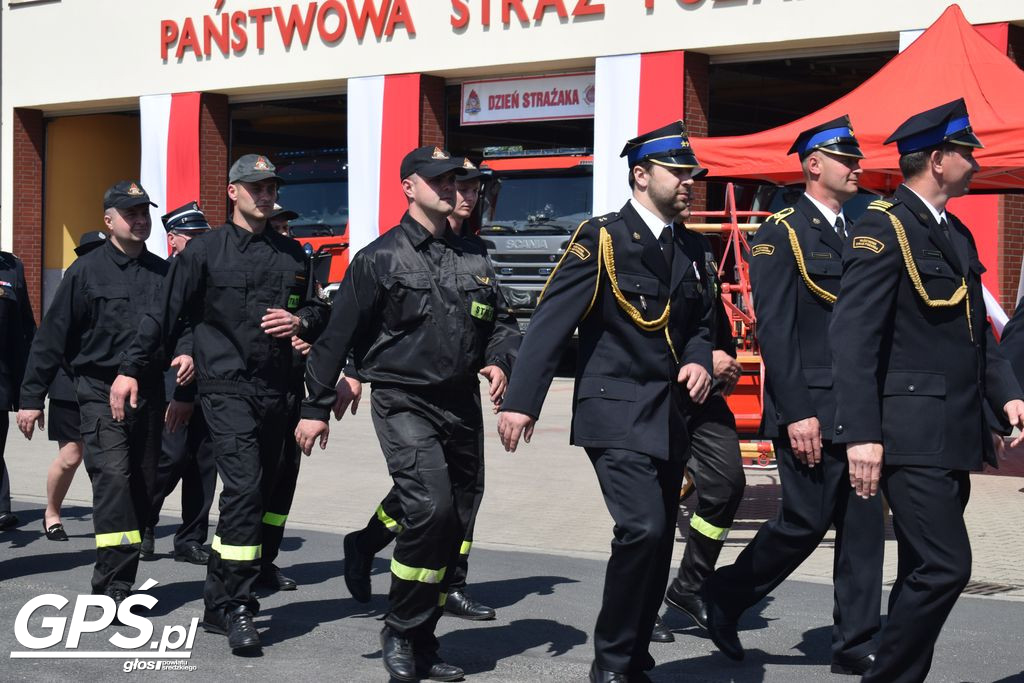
[605, 219]
[881, 205]
[781, 215]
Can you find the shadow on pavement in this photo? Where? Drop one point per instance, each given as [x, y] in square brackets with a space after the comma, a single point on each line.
[30, 525]
[173, 596]
[296, 619]
[717, 667]
[479, 649]
[312, 573]
[46, 563]
[506, 592]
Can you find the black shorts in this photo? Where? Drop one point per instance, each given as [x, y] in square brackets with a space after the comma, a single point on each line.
[63, 422]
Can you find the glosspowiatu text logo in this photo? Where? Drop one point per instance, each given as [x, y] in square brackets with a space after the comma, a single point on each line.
[170, 652]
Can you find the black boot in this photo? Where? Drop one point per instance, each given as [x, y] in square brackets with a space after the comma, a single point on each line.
[430, 665]
[237, 624]
[357, 568]
[461, 605]
[148, 548]
[689, 603]
[396, 651]
[661, 633]
[272, 578]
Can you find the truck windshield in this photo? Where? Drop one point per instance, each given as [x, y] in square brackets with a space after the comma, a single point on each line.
[322, 207]
[541, 204]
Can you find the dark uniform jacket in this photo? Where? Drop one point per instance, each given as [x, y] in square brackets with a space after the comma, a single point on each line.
[17, 327]
[793, 314]
[910, 375]
[221, 287]
[413, 322]
[92, 320]
[626, 394]
[698, 249]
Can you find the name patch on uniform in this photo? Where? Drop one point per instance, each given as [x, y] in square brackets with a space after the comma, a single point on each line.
[579, 250]
[293, 301]
[820, 254]
[482, 311]
[869, 243]
[763, 250]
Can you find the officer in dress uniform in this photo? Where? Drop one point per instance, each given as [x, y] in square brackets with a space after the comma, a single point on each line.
[385, 522]
[92, 320]
[915, 364]
[794, 270]
[243, 291]
[17, 327]
[645, 359]
[185, 454]
[421, 312]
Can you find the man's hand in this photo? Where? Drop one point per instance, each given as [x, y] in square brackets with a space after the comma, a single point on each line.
[697, 381]
[805, 437]
[186, 370]
[348, 391]
[498, 382]
[178, 415]
[727, 370]
[513, 425]
[124, 388]
[303, 347]
[307, 432]
[1015, 414]
[280, 323]
[865, 458]
[27, 420]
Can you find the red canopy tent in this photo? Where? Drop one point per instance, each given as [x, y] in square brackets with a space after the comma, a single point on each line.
[949, 60]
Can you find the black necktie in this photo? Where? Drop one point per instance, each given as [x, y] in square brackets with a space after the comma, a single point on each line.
[840, 228]
[945, 227]
[665, 240]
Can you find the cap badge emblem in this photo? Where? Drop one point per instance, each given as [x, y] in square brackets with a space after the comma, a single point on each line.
[469, 165]
[134, 190]
[438, 154]
[261, 164]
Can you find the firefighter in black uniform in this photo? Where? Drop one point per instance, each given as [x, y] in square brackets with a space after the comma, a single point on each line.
[794, 270]
[385, 523]
[645, 359]
[185, 454]
[17, 327]
[715, 465]
[91, 322]
[421, 312]
[242, 290]
[915, 364]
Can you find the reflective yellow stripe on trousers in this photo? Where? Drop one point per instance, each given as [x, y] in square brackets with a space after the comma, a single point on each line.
[465, 547]
[239, 553]
[416, 573]
[708, 529]
[274, 519]
[118, 538]
[385, 519]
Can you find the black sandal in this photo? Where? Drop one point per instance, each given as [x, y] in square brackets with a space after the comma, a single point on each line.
[55, 532]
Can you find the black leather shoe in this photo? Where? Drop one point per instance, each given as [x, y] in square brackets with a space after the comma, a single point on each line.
[661, 634]
[601, 676]
[357, 569]
[195, 554]
[436, 669]
[148, 549]
[237, 624]
[464, 607]
[118, 595]
[690, 604]
[397, 654]
[272, 578]
[55, 532]
[722, 630]
[8, 520]
[853, 667]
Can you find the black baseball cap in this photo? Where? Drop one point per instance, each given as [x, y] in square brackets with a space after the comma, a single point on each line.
[430, 162]
[185, 218]
[252, 168]
[125, 194]
[281, 212]
[469, 170]
[89, 241]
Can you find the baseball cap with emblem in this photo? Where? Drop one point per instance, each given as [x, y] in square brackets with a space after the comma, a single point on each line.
[469, 170]
[186, 218]
[945, 123]
[666, 146]
[125, 194]
[89, 241]
[252, 168]
[430, 162]
[281, 212]
[835, 137]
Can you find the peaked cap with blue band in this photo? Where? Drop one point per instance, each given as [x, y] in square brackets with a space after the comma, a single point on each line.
[665, 146]
[835, 137]
[945, 123]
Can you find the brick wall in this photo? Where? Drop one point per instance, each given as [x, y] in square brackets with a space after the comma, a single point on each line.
[1011, 247]
[695, 108]
[29, 138]
[432, 111]
[214, 139]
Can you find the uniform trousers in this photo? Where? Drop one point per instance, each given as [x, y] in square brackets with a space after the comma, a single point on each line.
[186, 457]
[716, 467]
[642, 496]
[121, 459]
[248, 434]
[281, 491]
[5, 482]
[431, 440]
[934, 566]
[813, 499]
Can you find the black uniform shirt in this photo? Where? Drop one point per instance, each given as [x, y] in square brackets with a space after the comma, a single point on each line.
[221, 287]
[98, 305]
[17, 326]
[417, 312]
